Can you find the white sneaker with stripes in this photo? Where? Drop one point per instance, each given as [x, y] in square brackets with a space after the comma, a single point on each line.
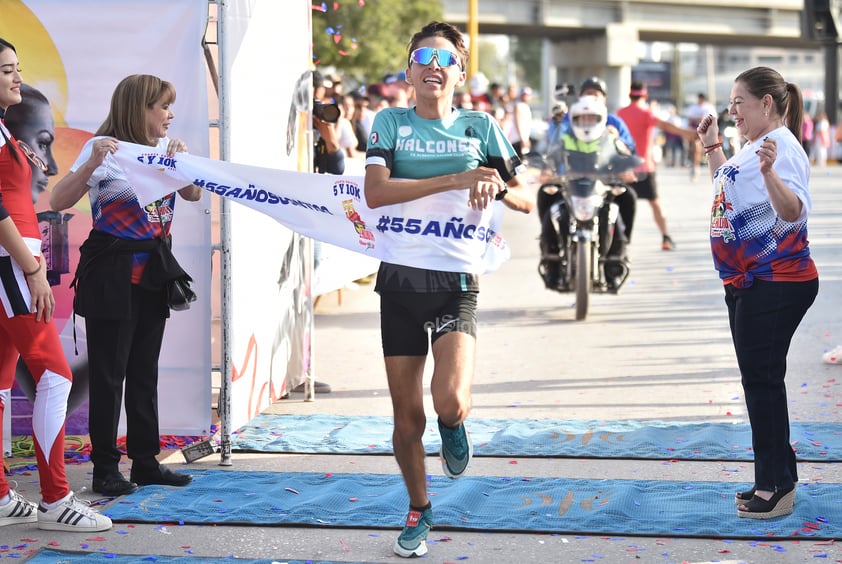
[72, 514]
[18, 510]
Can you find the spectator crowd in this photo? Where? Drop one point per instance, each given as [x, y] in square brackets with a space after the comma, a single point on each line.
[512, 106]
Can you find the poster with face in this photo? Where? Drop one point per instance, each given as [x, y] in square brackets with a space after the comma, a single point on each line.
[70, 62]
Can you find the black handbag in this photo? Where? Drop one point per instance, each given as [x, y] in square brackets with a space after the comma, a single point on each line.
[179, 293]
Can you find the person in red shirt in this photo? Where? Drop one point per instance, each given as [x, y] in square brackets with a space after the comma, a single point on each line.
[642, 122]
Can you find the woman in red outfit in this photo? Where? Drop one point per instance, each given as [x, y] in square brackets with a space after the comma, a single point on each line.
[27, 330]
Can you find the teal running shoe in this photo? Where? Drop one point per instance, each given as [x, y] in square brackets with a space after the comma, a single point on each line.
[456, 450]
[412, 541]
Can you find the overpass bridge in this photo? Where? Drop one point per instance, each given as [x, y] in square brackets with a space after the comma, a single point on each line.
[587, 37]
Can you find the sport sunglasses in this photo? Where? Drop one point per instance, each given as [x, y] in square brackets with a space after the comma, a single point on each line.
[424, 56]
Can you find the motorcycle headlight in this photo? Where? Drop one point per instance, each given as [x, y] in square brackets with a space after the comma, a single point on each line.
[585, 208]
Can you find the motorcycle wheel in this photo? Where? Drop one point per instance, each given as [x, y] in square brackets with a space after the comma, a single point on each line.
[583, 279]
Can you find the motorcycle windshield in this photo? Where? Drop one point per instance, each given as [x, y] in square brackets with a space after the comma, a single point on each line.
[576, 162]
[581, 187]
[604, 162]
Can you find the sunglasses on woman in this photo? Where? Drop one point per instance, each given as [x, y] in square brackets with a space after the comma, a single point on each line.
[34, 159]
[424, 56]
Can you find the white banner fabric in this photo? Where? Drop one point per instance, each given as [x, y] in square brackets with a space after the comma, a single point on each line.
[438, 232]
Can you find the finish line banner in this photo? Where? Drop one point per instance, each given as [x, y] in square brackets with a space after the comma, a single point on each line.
[438, 232]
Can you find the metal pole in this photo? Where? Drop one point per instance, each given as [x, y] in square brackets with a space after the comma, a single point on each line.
[224, 404]
[831, 82]
[710, 74]
[675, 78]
[310, 388]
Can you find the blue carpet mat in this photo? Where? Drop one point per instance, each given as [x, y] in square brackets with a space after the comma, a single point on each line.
[53, 556]
[658, 440]
[551, 505]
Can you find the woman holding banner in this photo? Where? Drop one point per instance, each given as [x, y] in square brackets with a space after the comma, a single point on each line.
[118, 288]
[433, 155]
[27, 329]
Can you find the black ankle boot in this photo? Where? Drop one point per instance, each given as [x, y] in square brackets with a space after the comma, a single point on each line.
[161, 475]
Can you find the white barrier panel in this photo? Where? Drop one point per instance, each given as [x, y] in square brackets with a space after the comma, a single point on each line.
[265, 62]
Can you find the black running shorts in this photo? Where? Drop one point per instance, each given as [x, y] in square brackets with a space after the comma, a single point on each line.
[410, 321]
[646, 189]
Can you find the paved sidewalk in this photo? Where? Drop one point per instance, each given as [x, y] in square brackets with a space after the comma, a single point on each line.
[659, 350]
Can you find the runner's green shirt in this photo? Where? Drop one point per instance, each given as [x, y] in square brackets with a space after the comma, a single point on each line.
[412, 147]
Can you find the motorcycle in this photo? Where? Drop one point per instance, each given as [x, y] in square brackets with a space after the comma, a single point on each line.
[585, 249]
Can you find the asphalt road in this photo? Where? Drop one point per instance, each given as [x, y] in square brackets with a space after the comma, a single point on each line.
[660, 350]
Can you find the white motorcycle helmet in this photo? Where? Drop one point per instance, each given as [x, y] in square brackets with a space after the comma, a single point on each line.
[588, 118]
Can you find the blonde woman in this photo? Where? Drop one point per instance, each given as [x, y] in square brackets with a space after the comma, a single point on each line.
[120, 283]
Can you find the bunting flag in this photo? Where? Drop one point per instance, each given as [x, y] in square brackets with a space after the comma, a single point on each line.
[438, 232]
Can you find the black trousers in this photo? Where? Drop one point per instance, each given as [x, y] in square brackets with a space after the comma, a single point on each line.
[126, 352]
[763, 319]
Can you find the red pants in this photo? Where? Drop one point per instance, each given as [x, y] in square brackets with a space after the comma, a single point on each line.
[39, 346]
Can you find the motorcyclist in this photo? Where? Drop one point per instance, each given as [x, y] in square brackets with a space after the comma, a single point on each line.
[588, 132]
[595, 86]
[627, 201]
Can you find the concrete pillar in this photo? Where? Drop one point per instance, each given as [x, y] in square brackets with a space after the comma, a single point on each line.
[550, 78]
[609, 56]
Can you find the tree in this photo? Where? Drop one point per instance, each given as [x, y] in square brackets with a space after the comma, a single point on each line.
[367, 39]
[490, 63]
[527, 54]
